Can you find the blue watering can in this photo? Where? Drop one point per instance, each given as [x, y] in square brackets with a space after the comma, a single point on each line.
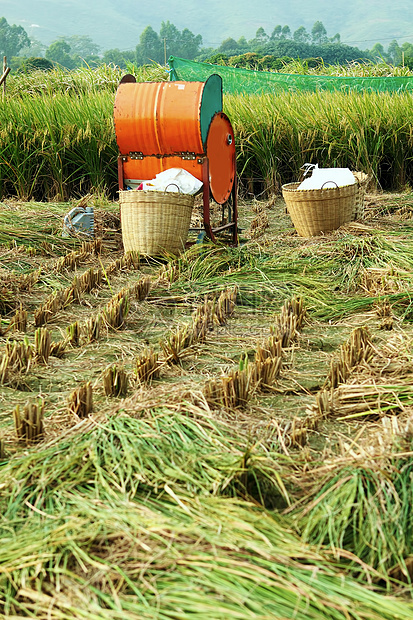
[79, 221]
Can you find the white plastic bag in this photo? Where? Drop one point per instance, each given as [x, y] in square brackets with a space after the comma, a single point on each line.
[328, 177]
[174, 180]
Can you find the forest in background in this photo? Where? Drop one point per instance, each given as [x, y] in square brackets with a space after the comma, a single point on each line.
[266, 51]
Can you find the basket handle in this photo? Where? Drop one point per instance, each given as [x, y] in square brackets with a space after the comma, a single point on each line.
[177, 186]
[325, 183]
[307, 169]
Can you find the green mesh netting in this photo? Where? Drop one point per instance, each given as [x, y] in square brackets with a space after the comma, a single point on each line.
[247, 81]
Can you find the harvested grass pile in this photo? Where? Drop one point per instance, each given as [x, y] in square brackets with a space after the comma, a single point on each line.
[122, 522]
[360, 400]
[362, 512]
[366, 381]
[143, 511]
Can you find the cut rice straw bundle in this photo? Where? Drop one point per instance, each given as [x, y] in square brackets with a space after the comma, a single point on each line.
[202, 323]
[141, 289]
[18, 322]
[17, 358]
[91, 328]
[356, 350]
[269, 355]
[42, 344]
[225, 305]
[360, 400]
[115, 381]
[80, 401]
[26, 281]
[289, 321]
[58, 349]
[29, 423]
[116, 311]
[71, 260]
[130, 260]
[55, 302]
[177, 343]
[147, 366]
[231, 391]
[295, 432]
[267, 365]
[88, 281]
[73, 333]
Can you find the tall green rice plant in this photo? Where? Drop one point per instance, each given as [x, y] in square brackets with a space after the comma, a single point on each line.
[370, 132]
[58, 146]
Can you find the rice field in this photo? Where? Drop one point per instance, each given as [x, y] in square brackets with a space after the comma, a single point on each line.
[57, 139]
[225, 434]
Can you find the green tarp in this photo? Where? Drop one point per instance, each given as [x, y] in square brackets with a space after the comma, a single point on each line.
[247, 81]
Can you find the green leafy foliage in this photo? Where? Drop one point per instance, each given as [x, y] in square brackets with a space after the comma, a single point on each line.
[155, 47]
[12, 38]
[35, 64]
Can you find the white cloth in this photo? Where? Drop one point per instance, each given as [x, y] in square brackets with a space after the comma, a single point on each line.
[328, 177]
[174, 180]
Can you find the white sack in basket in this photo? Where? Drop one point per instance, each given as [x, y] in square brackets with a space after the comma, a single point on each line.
[174, 180]
[328, 177]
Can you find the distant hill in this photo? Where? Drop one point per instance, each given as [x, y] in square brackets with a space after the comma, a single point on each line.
[114, 24]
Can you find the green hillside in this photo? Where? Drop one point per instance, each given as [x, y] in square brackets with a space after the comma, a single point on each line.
[118, 25]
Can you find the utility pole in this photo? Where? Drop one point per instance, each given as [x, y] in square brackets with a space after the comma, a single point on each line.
[4, 73]
[164, 48]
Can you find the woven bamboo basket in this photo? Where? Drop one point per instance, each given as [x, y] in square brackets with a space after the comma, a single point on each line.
[153, 222]
[317, 211]
[362, 180]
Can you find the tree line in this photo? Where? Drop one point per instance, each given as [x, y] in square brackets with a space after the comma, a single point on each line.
[264, 51]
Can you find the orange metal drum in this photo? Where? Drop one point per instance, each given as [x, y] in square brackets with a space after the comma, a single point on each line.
[165, 118]
[162, 125]
[220, 150]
